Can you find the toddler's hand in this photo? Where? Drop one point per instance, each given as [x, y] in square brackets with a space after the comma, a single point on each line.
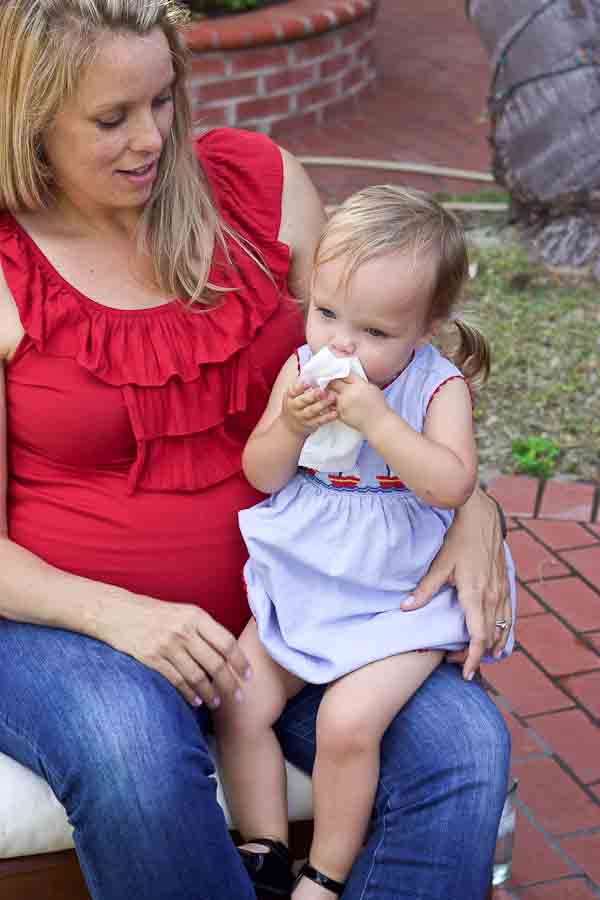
[359, 403]
[306, 408]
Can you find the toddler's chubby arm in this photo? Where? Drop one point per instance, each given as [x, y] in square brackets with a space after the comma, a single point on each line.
[294, 411]
[440, 464]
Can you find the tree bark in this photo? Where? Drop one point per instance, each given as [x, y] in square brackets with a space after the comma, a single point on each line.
[544, 108]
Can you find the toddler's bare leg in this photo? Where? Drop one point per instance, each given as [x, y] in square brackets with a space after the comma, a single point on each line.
[354, 713]
[251, 763]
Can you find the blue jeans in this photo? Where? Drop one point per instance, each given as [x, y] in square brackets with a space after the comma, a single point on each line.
[127, 758]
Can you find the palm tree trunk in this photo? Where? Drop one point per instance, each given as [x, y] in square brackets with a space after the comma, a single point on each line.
[544, 107]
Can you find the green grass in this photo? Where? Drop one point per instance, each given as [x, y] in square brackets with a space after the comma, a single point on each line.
[485, 195]
[544, 332]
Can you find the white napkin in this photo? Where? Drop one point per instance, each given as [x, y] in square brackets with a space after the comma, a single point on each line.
[333, 447]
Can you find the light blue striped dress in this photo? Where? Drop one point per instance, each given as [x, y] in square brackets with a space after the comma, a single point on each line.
[332, 556]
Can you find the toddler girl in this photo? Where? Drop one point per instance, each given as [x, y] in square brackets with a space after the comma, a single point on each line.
[333, 555]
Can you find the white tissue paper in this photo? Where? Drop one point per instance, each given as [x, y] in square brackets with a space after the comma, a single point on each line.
[333, 447]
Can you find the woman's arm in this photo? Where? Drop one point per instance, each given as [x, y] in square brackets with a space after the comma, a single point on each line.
[302, 219]
[472, 559]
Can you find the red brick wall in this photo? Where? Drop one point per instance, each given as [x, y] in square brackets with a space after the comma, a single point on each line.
[268, 87]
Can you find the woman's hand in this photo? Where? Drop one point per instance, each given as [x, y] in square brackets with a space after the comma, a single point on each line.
[306, 408]
[472, 559]
[185, 644]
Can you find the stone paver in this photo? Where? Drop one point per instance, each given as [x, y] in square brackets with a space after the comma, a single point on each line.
[561, 535]
[527, 603]
[517, 494]
[567, 500]
[574, 738]
[586, 562]
[430, 107]
[534, 561]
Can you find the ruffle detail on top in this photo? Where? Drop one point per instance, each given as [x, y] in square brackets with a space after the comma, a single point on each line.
[185, 375]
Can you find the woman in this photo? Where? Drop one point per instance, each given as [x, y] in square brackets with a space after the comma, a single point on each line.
[124, 414]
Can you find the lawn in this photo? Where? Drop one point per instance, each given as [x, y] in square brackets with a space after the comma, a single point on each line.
[544, 331]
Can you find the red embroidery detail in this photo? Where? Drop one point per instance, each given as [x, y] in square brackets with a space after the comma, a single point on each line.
[390, 481]
[347, 481]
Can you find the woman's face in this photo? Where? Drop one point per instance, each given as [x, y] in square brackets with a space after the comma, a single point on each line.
[105, 143]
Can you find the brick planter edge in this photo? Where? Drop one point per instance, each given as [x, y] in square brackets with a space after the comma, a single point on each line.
[286, 66]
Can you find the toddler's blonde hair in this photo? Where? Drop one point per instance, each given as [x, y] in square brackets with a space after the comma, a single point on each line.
[389, 219]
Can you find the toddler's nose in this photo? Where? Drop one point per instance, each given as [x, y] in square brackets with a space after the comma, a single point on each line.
[341, 346]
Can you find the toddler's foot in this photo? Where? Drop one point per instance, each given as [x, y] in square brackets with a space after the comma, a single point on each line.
[269, 866]
[314, 885]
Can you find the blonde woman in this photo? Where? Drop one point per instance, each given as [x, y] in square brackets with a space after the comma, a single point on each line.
[145, 310]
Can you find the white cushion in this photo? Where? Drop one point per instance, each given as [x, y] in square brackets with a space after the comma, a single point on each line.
[33, 821]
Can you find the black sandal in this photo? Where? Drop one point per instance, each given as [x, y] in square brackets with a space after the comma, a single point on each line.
[307, 871]
[270, 871]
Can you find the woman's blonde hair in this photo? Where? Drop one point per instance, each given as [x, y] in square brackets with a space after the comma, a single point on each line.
[45, 46]
[389, 219]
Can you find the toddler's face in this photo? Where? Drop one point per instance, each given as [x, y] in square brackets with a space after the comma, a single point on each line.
[379, 315]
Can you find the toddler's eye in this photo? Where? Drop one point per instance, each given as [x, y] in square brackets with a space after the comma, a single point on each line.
[375, 332]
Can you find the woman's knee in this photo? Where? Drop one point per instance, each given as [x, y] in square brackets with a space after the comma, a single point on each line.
[126, 738]
[448, 746]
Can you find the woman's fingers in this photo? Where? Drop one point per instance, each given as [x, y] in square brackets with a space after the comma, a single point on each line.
[497, 604]
[230, 654]
[193, 679]
[439, 574]
[503, 613]
[174, 677]
[198, 656]
[479, 637]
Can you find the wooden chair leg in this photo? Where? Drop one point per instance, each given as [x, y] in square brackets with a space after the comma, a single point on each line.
[49, 876]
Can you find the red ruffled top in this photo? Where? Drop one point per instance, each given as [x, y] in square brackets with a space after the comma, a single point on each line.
[126, 427]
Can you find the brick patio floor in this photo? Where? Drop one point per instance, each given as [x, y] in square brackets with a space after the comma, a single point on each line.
[430, 107]
[549, 690]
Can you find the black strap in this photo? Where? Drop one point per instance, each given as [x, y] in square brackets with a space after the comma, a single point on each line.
[278, 848]
[307, 871]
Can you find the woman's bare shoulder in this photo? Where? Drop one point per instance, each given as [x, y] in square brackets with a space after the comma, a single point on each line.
[302, 218]
[11, 330]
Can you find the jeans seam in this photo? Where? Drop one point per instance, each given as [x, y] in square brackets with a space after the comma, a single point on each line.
[380, 844]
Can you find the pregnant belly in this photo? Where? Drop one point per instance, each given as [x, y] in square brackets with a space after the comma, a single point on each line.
[177, 546]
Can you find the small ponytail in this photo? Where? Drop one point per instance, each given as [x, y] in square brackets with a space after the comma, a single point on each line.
[469, 351]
